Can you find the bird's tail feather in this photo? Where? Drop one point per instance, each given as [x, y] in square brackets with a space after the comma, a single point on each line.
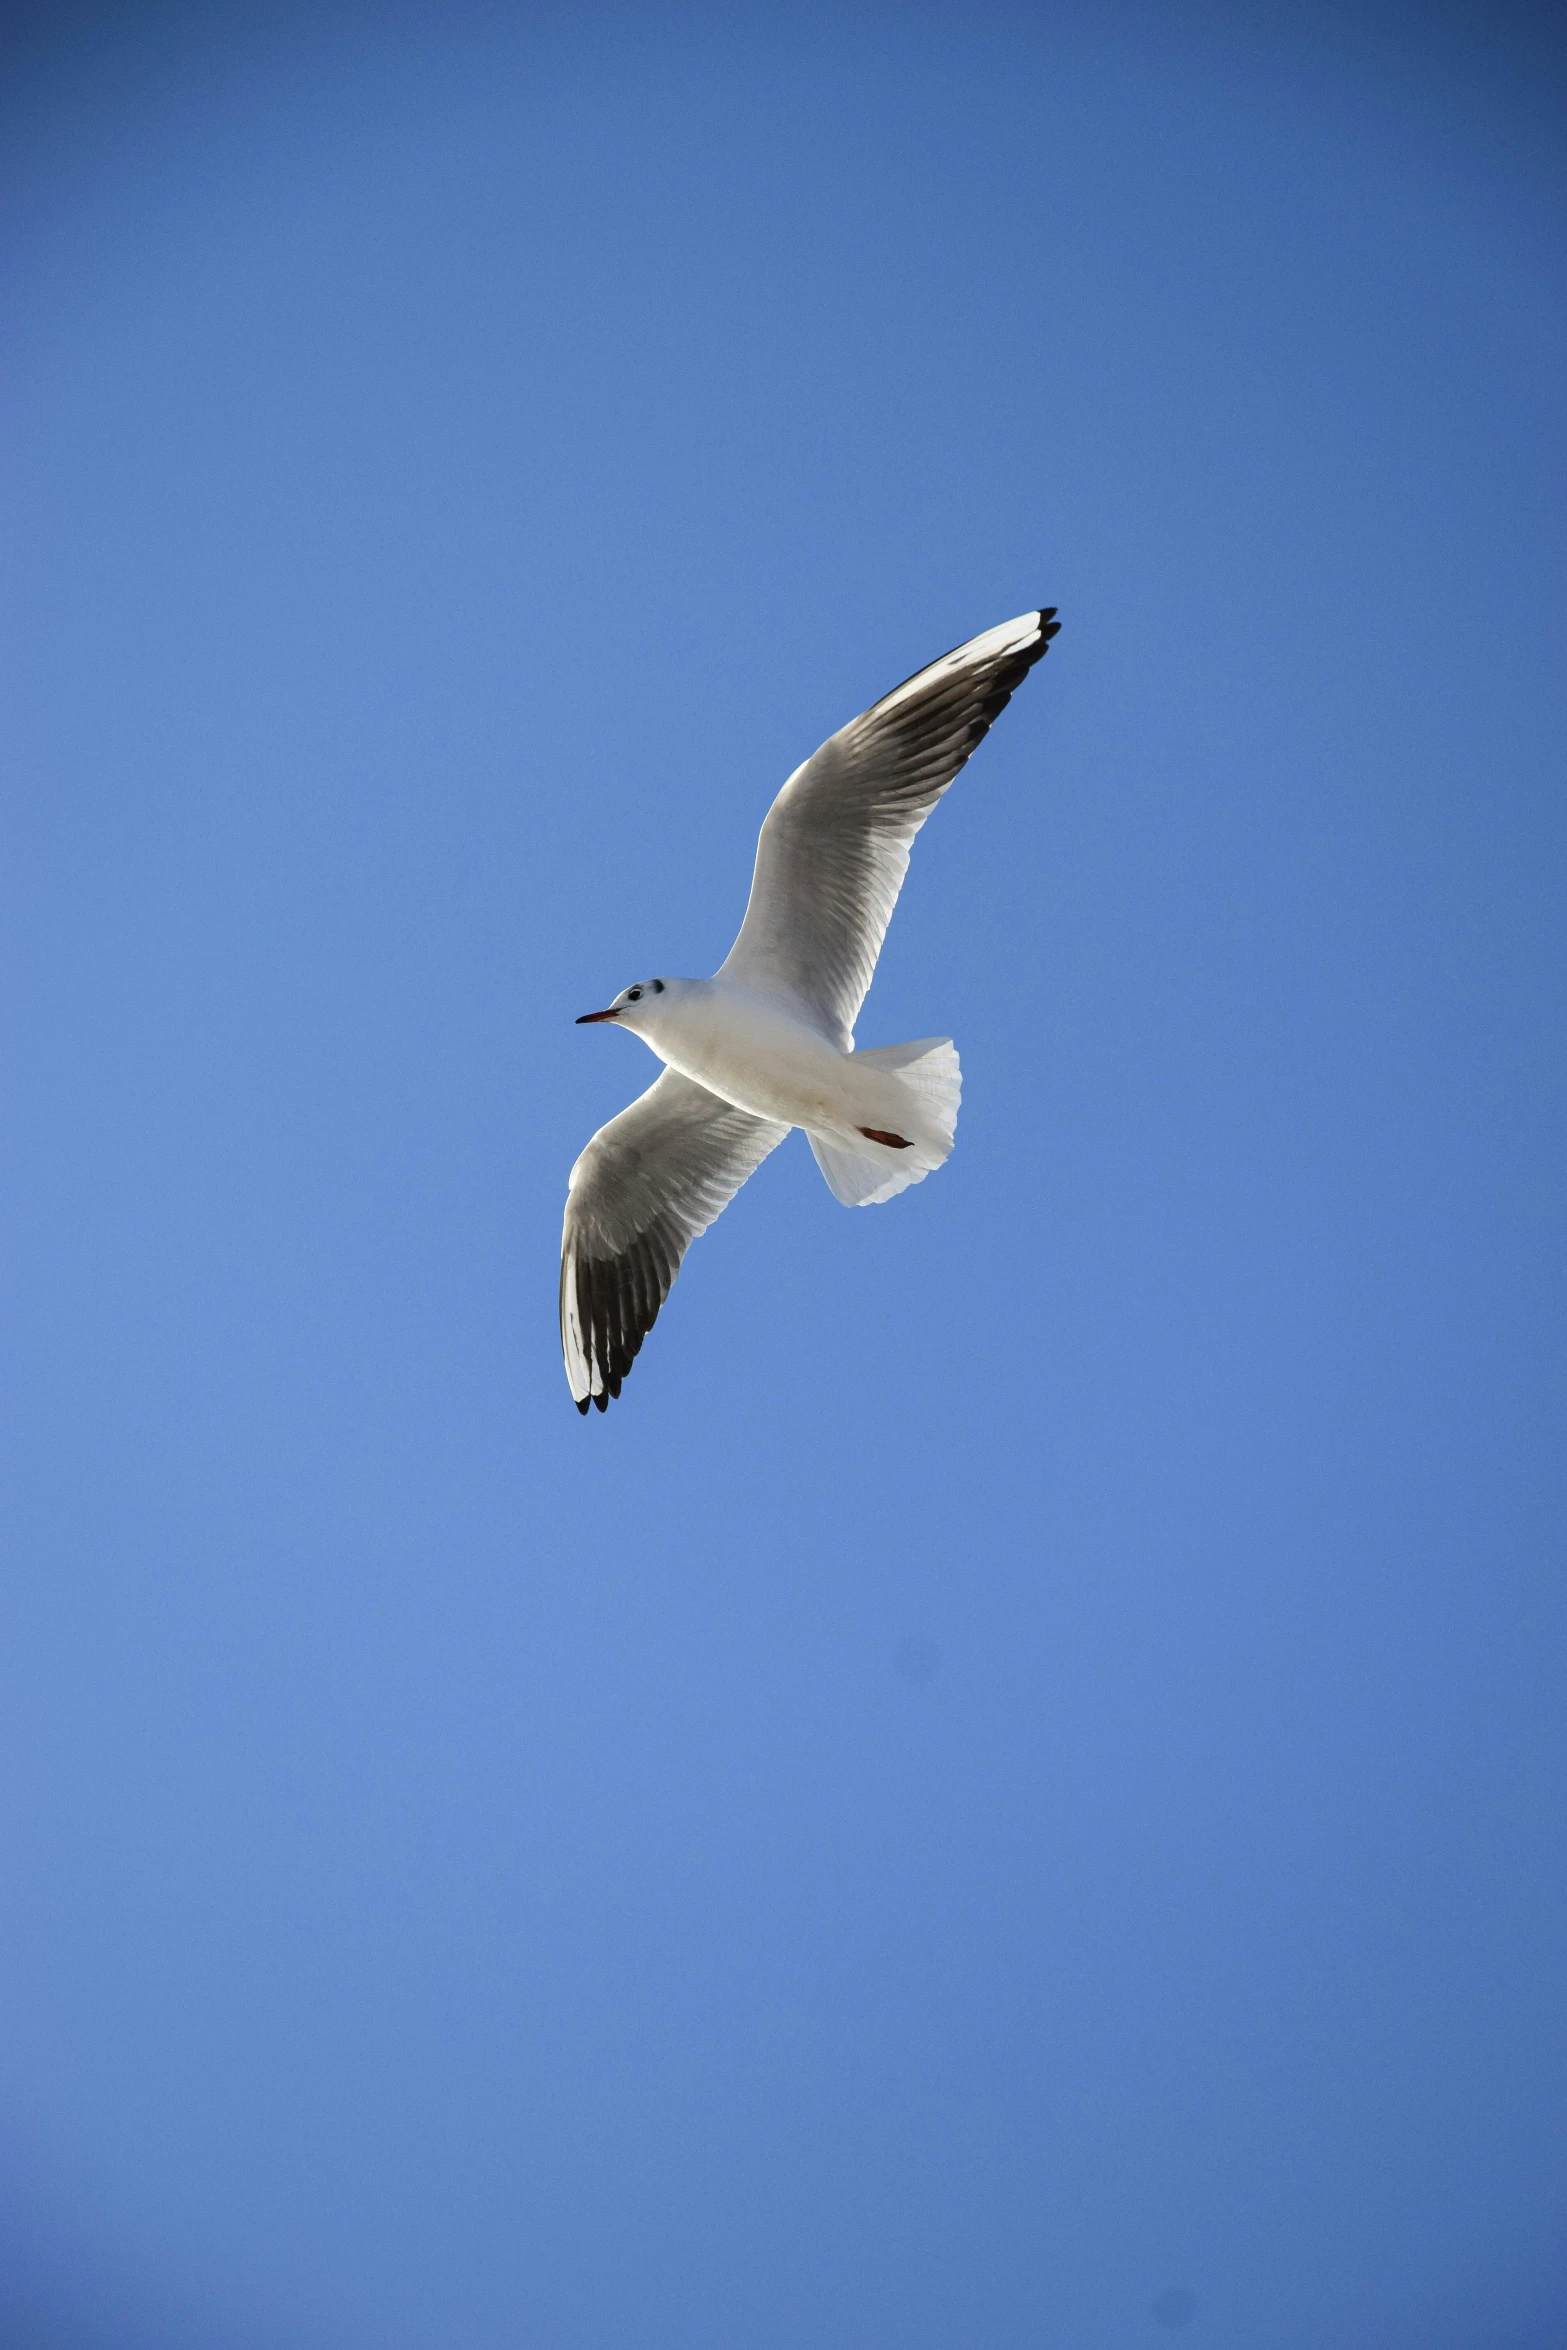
[865, 1176]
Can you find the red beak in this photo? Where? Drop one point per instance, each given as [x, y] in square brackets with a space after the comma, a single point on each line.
[589, 1017]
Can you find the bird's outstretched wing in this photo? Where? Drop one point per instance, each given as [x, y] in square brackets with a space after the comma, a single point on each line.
[835, 846]
[648, 1183]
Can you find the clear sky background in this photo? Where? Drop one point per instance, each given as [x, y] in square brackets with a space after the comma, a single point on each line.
[1010, 1794]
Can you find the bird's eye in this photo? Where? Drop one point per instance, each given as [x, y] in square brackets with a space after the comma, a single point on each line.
[633, 995]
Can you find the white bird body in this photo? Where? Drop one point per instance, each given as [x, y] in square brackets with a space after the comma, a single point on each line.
[756, 1051]
[768, 1042]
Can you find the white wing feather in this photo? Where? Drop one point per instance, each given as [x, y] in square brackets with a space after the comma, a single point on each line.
[835, 845]
[647, 1185]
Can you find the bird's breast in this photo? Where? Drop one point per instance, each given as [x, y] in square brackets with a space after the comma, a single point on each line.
[757, 1058]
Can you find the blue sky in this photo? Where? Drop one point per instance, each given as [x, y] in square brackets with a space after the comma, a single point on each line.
[1009, 1793]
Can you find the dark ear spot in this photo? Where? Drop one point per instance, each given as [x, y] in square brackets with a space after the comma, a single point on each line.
[658, 987]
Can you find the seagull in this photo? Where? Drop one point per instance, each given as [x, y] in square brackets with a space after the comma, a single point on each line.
[768, 1042]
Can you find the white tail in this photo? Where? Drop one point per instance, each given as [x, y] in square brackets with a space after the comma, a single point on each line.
[864, 1176]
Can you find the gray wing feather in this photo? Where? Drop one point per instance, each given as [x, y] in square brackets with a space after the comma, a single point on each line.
[648, 1183]
[835, 845]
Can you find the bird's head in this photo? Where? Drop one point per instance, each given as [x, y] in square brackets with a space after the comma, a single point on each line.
[638, 1007]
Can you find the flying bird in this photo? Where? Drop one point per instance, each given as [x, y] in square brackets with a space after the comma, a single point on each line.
[768, 1042]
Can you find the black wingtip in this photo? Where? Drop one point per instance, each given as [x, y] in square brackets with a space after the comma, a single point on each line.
[602, 1400]
[582, 1403]
[1049, 625]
